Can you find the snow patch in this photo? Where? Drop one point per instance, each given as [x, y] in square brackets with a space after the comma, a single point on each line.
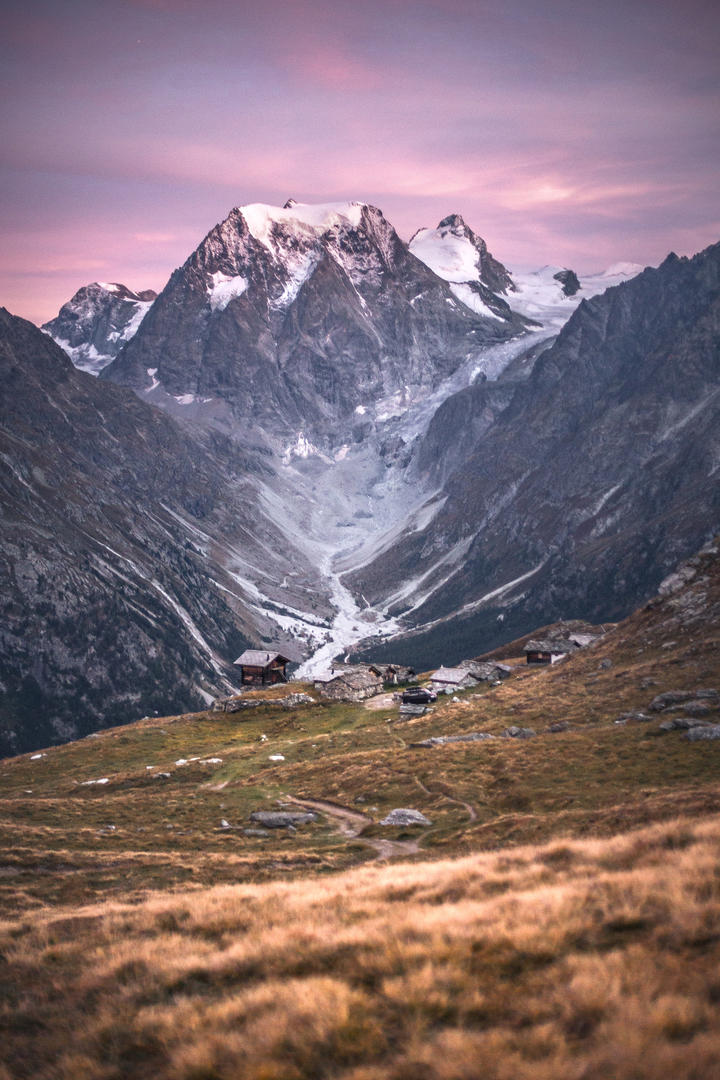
[225, 288]
[301, 448]
[314, 218]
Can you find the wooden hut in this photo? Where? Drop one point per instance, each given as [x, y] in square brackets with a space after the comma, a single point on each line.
[260, 668]
[547, 652]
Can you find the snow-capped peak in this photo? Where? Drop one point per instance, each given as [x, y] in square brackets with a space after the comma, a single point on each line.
[313, 218]
[448, 252]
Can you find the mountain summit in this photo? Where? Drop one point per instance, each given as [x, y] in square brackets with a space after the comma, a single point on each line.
[294, 317]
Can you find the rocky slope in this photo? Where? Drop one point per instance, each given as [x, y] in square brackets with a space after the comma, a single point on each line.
[127, 545]
[301, 319]
[598, 476]
[97, 321]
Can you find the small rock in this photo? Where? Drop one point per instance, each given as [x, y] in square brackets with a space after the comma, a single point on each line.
[605, 664]
[255, 832]
[519, 733]
[405, 817]
[633, 718]
[225, 824]
[561, 725]
[276, 757]
[161, 776]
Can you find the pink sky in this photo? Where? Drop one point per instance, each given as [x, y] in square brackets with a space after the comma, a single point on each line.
[566, 132]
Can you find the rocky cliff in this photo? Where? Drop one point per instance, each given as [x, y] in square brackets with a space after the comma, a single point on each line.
[126, 543]
[587, 488]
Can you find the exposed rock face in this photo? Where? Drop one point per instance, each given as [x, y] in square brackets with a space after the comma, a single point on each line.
[116, 599]
[296, 317]
[588, 487]
[569, 281]
[99, 319]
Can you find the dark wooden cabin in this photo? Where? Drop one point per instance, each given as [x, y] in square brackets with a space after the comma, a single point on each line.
[261, 668]
[546, 652]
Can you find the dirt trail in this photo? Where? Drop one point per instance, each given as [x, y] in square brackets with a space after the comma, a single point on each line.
[380, 701]
[351, 822]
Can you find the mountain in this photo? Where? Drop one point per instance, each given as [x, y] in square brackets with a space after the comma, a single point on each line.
[99, 319]
[294, 319]
[577, 497]
[128, 542]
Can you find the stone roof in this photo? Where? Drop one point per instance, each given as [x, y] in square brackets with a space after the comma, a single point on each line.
[259, 658]
[452, 676]
[354, 675]
[556, 647]
[582, 640]
[357, 678]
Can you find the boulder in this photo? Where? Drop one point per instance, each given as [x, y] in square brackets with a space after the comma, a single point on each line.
[700, 706]
[703, 732]
[670, 698]
[440, 740]
[519, 733]
[282, 819]
[405, 817]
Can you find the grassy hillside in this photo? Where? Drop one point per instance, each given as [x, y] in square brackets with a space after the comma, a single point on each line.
[559, 917]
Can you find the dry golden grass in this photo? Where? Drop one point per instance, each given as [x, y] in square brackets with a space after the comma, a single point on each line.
[560, 922]
[579, 959]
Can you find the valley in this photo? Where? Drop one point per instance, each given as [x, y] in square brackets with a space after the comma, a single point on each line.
[558, 913]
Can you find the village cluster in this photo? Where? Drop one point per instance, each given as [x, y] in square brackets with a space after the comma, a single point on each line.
[359, 681]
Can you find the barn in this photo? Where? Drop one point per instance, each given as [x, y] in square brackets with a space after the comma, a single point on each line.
[261, 668]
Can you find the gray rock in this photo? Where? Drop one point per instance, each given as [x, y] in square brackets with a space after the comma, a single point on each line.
[440, 740]
[255, 832]
[633, 718]
[161, 776]
[669, 698]
[703, 732]
[561, 725]
[519, 733]
[282, 819]
[412, 710]
[405, 817]
[700, 706]
[605, 664]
